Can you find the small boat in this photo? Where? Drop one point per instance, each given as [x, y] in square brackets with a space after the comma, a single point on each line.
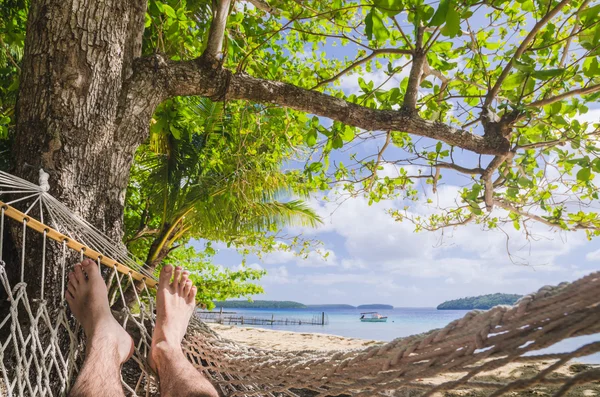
[372, 317]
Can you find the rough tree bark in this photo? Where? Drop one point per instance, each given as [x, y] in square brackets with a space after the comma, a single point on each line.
[71, 107]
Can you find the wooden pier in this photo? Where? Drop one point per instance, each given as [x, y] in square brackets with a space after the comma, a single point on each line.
[233, 318]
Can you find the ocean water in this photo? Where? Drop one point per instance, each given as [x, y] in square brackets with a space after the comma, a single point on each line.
[401, 322]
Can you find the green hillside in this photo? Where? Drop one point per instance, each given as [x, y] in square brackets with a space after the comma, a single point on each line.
[483, 302]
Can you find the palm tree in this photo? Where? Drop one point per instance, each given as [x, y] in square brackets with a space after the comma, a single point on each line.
[200, 178]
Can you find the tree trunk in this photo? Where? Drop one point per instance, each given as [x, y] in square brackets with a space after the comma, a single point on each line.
[73, 118]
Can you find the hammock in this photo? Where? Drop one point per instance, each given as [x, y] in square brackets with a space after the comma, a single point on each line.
[35, 360]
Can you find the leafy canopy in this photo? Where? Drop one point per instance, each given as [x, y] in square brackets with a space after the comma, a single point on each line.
[522, 75]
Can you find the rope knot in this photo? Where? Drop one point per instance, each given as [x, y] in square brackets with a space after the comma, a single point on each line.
[43, 181]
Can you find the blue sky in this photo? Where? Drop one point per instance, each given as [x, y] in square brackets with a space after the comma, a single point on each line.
[374, 259]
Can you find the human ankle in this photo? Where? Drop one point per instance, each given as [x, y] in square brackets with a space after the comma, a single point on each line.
[165, 349]
[164, 354]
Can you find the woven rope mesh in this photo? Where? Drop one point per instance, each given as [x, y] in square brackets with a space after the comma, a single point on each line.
[485, 353]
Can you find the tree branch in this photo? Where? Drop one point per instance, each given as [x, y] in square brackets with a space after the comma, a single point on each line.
[534, 31]
[214, 48]
[416, 71]
[388, 138]
[581, 91]
[509, 207]
[486, 177]
[264, 6]
[573, 31]
[157, 79]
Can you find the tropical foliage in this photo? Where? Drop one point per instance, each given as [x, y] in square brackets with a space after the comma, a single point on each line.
[210, 173]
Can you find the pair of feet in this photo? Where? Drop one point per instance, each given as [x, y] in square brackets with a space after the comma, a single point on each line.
[87, 297]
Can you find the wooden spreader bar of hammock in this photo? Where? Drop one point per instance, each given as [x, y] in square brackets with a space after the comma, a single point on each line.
[73, 244]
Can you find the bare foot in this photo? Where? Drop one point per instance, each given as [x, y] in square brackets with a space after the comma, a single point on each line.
[175, 304]
[87, 297]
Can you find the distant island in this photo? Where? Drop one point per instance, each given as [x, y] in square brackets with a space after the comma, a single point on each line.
[258, 304]
[483, 302]
[264, 304]
[376, 306]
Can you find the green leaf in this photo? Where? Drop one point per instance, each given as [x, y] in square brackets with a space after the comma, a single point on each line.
[452, 28]
[369, 25]
[337, 142]
[513, 81]
[440, 14]
[311, 138]
[591, 68]
[547, 74]
[169, 11]
[523, 67]
[525, 183]
[389, 7]
[175, 132]
[438, 147]
[584, 174]
[374, 26]
[347, 134]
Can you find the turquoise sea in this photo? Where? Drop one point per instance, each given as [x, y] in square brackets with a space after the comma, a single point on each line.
[401, 322]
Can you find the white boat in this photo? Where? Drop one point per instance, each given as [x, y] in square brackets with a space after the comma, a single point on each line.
[372, 317]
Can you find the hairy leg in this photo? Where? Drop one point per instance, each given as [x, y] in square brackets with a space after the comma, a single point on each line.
[108, 344]
[175, 304]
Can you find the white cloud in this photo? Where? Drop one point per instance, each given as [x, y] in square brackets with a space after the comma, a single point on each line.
[277, 275]
[467, 254]
[593, 256]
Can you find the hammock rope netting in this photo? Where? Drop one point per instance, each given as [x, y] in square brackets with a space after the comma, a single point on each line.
[40, 352]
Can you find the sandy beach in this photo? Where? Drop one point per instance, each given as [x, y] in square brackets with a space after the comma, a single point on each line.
[290, 341]
[286, 340]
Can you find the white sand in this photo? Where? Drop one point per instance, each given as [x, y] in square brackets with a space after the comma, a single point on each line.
[286, 340]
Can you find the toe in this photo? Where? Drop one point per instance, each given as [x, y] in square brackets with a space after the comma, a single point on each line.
[71, 288]
[73, 279]
[191, 298]
[183, 282]
[187, 287]
[78, 271]
[91, 268]
[175, 283]
[165, 276]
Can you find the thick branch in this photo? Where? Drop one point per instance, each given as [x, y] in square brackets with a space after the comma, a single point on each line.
[534, 31]
[214, 48]
[161, 79]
